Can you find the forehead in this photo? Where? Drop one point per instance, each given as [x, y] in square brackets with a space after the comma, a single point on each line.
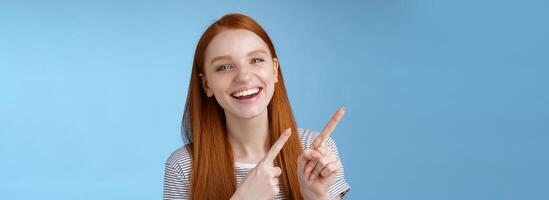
[235, 43]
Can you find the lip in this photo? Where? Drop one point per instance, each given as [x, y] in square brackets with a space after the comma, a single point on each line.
[245, 88]
[248, 101]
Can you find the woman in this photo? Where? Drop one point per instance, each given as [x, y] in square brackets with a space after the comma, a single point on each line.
[243, 140]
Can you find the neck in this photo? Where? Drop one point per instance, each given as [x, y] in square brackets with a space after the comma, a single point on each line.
[248, 137]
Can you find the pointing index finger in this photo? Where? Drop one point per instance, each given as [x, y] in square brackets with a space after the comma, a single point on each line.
[277, 146]
[329, 128]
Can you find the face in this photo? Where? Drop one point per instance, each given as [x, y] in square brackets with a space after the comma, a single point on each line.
[240, 73]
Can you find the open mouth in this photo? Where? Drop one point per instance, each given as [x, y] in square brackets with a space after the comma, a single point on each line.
[246, 94]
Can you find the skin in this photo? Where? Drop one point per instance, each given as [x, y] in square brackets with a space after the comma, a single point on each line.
[238, 59]
[317, 168]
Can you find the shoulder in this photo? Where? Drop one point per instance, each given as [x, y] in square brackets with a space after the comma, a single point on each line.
[177, 174]
[181, 160]
[307, 137]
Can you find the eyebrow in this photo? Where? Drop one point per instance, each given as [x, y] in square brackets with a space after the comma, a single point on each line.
[257, 51]
[220, 58]
[229, 57]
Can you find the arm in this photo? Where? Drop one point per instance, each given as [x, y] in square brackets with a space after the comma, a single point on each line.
[175, 184]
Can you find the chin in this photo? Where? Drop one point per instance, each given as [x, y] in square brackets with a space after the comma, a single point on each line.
[249, 114]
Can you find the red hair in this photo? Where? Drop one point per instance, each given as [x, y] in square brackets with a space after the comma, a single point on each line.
[212, 173]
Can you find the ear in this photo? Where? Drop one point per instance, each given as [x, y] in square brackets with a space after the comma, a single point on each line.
[275, 65]
[207, 89]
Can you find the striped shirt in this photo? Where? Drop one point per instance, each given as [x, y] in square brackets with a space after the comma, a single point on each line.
[178, 171]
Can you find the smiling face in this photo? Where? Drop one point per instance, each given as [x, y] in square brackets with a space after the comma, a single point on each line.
[240, 73]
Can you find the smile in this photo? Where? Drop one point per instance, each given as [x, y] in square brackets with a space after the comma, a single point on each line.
[246, 93]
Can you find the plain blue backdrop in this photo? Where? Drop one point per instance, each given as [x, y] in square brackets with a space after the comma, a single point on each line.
[446, 99]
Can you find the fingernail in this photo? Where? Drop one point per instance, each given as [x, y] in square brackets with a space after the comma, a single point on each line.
[313, 177]
[315, 154]
[308, 169]
[288, 132]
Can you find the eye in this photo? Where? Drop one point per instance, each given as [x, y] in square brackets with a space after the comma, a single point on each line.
[223, 68]
[256, 60]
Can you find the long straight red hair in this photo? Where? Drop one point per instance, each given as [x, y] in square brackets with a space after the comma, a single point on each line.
[203, 126]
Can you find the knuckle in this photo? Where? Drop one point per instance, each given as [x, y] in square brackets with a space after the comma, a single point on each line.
[318, 169]
[324, 161]
[332, 168]
[324, 150]
[306, 152]
[325, 172]
[329, 152]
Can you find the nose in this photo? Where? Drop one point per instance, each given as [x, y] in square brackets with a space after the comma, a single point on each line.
[244, 74]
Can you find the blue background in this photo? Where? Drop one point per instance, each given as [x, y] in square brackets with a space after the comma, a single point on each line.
[446, 99]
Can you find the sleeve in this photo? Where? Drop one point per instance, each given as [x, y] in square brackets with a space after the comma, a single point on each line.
[340, 186]
[175, 184]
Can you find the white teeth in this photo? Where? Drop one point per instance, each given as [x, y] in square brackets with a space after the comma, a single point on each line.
[246, 92]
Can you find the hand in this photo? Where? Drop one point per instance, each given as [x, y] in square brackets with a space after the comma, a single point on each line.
[262, 181]
[317, 168]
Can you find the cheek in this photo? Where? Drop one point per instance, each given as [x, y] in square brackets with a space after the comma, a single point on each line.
[267, 75]
[219, 84]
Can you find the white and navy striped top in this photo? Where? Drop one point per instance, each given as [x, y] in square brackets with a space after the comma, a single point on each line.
[178, 169]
